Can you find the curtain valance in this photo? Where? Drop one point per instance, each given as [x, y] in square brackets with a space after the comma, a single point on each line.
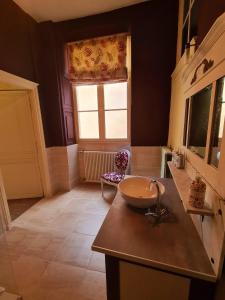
[97, 60]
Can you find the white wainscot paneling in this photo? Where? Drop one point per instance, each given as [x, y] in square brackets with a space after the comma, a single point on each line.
[146, 161]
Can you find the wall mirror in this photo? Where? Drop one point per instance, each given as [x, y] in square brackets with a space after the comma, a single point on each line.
[198, 121]
[217, 123]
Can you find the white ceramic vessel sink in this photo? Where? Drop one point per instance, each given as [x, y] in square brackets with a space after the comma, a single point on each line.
[139, 191]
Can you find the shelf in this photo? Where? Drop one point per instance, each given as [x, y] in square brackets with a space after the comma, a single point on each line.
[183, 182]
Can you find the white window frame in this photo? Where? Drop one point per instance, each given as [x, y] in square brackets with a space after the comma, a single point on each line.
[101, 115]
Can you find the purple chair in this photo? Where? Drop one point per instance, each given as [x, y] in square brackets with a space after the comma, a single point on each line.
[122, 160]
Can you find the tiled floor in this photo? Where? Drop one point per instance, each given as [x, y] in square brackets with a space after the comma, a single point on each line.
[48, 249]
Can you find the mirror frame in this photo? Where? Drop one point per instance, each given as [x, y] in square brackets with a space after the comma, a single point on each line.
[186, 130]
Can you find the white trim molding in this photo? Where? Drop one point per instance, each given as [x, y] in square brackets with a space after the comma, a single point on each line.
[16, 82]
[12, 82]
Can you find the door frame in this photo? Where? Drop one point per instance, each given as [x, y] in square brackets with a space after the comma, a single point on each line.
[4, 208]
[10, 82]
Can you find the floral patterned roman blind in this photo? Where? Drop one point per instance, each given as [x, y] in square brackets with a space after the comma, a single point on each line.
[97, 60]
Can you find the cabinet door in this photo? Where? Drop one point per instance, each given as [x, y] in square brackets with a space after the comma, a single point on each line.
[138, 282]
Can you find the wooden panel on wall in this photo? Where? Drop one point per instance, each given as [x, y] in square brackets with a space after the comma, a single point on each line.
[69, 125]
[68, 110]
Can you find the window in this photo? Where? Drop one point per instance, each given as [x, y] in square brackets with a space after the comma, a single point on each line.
[190, 16]
[102, 111]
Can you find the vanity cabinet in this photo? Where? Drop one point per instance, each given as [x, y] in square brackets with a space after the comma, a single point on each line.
[154, 262]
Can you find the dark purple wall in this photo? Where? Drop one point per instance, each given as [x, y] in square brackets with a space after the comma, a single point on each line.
[154, 34]
[50, 86]
[153, 29]
[17, 32]
[19, 49]
[35, 52]
[209, 11]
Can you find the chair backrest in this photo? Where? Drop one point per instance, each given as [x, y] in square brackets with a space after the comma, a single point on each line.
[122, 160]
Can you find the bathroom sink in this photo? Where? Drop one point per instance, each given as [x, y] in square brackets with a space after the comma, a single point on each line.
[139, 191]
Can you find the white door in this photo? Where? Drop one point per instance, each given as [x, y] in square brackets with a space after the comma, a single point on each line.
[18, 153]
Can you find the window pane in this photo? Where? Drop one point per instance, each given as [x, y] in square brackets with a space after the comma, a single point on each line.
[88, 125]
[116, 124]
[186, 8]
[194, 20]
[87, 97]
[185, 38]
[115, 95]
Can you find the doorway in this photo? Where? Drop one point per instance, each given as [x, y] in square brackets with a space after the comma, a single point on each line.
[23, 159]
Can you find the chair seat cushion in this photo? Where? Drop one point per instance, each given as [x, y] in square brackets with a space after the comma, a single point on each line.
[113, 177]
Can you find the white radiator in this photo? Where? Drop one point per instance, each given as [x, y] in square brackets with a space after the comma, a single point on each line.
[95, 163]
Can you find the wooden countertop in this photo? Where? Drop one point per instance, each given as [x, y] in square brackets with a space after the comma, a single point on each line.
[172, 246]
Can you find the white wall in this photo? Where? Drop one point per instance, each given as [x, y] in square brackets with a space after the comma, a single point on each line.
[63, 167]
[146, 161]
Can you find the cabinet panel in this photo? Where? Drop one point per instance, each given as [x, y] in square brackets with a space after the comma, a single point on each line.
[137, 282]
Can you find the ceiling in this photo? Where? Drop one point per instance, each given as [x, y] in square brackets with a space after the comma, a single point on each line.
[59, 10]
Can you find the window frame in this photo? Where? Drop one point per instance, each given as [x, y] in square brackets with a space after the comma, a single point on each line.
[101, 116]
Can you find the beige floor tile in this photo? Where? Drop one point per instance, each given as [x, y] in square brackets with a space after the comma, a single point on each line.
[7, 278]
[97, 262]
[79, 240]
[15, 235]
[75, 257]
[38, 216]
[44, 246]
[28, 271]
[76, 250]
[61, 279]
[66, 221]
[93, 287]
[91, 206]
[57, 283]
[18, 240]
[89, 223]
[48, 249]
[47, 294]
